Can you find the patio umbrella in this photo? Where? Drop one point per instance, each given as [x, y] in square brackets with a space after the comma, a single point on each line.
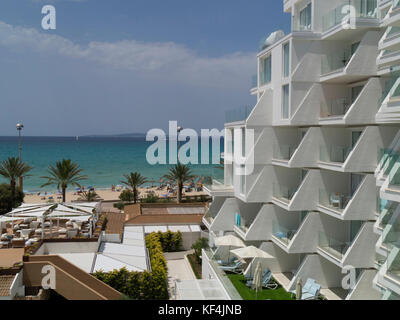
[229, 241]
[299, 289]
[251, 252]
[257, 279]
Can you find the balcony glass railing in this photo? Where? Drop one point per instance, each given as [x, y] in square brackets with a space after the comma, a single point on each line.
[336, 154]
[392, 31]
[335, 61]
[284, 193]
[366, 9]
[393, 263]
[239, 114]
[391, 235]
[284, 152]
[333, 247]
[334, 200]
[283, 234]
[392, 85]
[386, 213]
[222, 277]
[336, 107]
[394, 175]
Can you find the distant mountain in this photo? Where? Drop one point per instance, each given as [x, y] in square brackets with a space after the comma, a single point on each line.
[124, 135]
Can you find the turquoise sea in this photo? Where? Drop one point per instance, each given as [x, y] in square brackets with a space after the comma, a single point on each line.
[104, 160]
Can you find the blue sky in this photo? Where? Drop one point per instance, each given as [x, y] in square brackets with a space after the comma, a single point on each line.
[118, 66]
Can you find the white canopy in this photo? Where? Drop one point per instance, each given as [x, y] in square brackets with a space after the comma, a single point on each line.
[58, 213]
[251, 252]
[229, 240]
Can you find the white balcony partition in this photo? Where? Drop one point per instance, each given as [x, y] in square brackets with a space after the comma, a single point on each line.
[364, 289]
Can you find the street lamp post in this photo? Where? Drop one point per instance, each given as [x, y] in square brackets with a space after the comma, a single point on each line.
[20, 126]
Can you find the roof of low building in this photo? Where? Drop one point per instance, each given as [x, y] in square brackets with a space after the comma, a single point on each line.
[5, 285]
[9, 257]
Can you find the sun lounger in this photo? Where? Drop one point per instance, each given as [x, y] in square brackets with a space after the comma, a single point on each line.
[236, 268]
[226, 263]
[310, 290]
[267, 281]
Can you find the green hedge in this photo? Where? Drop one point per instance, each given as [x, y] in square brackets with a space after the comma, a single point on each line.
[142, 285]
[170, 241]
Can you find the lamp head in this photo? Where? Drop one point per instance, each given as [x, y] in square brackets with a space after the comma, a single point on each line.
[19, 126]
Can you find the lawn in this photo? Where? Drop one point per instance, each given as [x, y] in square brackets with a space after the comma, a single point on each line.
[248, 294]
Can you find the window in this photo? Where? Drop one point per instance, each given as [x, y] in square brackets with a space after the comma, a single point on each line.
[265, 76]
[242, 179]
[243, 142]
[305, 18]
[286, 59]
[285, 101]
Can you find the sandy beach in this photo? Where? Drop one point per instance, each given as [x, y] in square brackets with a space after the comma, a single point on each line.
[104, 194]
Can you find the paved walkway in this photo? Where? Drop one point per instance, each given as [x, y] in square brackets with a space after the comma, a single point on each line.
[179, 269]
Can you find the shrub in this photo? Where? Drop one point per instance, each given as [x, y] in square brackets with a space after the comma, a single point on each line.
[150, 198]
[200, 244]
[170, 241]
[126, 195]
[119, 205]
[142, 285]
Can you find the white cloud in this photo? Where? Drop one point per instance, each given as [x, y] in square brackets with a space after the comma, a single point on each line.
[166, 59]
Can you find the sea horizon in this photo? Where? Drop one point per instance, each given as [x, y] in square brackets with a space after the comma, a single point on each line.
[104, 159]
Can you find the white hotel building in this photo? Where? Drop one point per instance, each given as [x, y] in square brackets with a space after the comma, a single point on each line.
[325, 190]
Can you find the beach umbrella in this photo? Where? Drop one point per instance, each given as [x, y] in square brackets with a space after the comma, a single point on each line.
[299, 289]
[257, 282]
[251, 252]
[229, 241]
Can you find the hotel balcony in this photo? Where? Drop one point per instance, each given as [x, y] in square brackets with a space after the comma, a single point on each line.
[345, 63]
[366, 17]
[390, 39]
[295, 148]
[389, 274]
[238, 115]
[328, 275]
[349, 247]
[261, 115]
[295, 189]
[212, 211]
[218, 188]
[389, 106]
[283, 266]
[222, 219]
[345, 105]
[353, 150]
[387, 210]
[392, 18]
[297, 232]
[347, 196]
[364, 289]
[251, 222]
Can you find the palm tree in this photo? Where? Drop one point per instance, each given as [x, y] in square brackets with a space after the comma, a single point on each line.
[63, 174]
[12, 169]
[134, 180]
[181, 174]
[89, 196]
